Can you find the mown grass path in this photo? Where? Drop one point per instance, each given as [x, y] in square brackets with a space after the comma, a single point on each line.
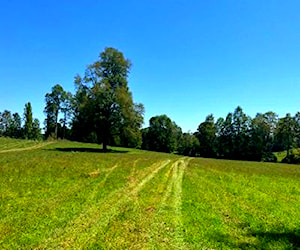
[16, 147]
[69, 195]
[83, 230]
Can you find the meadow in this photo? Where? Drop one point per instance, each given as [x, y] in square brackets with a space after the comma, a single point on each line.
[71, 195]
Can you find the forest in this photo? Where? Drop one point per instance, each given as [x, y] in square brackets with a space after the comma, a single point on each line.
[102, 110]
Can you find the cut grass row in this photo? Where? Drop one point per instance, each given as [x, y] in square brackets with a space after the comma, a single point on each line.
[242, 204]
[16, 144]
[69, 195]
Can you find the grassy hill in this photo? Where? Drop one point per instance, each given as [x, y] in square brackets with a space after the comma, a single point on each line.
[71, 195]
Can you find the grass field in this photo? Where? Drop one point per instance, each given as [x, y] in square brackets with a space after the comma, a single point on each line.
[71, 195]
[7, 144]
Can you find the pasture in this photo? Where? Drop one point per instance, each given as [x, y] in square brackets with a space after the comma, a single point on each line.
[72, 195]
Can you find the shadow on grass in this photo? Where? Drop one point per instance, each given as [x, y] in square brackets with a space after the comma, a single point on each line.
[281, 239]
[88, 150]
[270, 240]
[291, 238]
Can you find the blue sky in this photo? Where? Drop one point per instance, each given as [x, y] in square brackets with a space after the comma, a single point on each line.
[190, 58]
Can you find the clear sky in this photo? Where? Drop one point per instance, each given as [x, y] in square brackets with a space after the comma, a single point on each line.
[190, 58]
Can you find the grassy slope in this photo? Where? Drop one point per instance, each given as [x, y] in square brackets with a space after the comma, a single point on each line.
[7, 144]
[70, 195]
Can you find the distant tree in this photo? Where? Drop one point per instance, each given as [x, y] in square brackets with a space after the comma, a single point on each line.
[219, 125]
[286, 132]
[54, 102]
[2, 128]
[163, 135]
[28, 121]
[241, 128]
[130, 132]
[36, 130]
[5, 123]
[188, 145]
[67, 110]
[104, 105]
[206, 135]
[297, 129]
[224, 131]
[262, 136]
[16, 126]
[10, 125]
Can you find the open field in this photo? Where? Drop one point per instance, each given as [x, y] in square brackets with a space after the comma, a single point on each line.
[71, 195]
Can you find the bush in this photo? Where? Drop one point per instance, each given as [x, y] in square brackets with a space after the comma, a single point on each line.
[292, 159]
[269, 157]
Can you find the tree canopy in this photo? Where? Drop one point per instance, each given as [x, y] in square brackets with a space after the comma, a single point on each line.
[104, 106]
[162, 135]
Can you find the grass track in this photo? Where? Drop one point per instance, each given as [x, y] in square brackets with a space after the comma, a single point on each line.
[13, 145]
[69, 195]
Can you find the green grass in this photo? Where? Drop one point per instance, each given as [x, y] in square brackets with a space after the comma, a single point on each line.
[71, 195]
[9, 144]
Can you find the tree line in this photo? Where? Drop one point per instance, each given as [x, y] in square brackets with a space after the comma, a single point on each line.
[102, 111]
[11, 124]
[237, 136]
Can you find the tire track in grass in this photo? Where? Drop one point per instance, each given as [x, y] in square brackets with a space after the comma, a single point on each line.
[168, 226]
[239, 213]
[270, 192]
[64, 195]
[61, 196]
[85, 227]
[25, 149]
[252, 191]
[112, 211]
[67, 192]
[19, 143]
[96, 189]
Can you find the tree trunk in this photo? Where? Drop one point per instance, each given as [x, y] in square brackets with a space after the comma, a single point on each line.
[64, 127]
[104, 146]
[288, 152]
[106, 135]
[56, 118]
[105, 140]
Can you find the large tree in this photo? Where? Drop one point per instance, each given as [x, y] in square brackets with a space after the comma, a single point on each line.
[104, 106]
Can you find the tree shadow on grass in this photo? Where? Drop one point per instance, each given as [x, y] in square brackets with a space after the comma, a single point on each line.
[269, 240]
[89, 150]
[276, 239]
